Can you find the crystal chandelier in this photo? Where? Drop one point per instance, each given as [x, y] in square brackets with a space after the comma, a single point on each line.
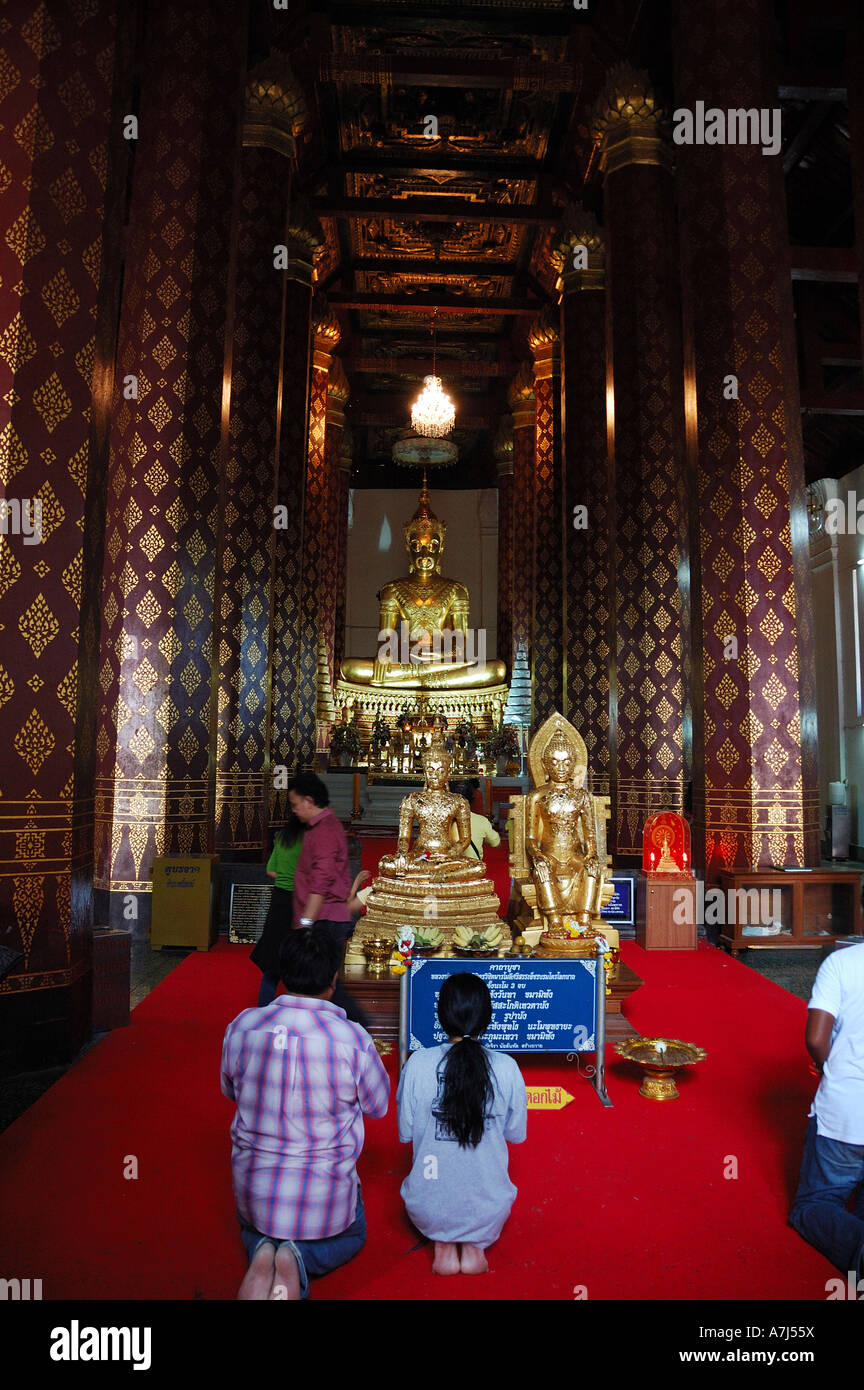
[433, 413]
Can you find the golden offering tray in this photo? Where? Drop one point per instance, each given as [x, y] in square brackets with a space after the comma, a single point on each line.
[660, 1058]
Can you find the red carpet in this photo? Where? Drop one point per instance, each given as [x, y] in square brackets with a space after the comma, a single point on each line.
[631, 1202]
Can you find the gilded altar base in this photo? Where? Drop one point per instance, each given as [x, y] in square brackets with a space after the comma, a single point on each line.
[483, 707]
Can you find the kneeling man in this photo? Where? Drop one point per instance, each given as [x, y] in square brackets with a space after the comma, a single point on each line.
[302, 1077]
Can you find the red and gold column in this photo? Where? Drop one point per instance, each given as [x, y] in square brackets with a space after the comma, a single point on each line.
[547, 627]
[304, 241]
[648, 711]
[579, 255]
[754, 723]
[504, 466]
[521, 401]
[155, 774]
[343, 487]
[275, 110]
[317, 565]
[66, 79]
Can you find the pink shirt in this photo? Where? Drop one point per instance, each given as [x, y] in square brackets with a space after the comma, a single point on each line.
[323, 868]
[302, 1077]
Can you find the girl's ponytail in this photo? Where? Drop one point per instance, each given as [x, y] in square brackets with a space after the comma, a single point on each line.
[465, 1011]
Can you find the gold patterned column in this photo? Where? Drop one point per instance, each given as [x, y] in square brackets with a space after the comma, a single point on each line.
[579, 256]
[155, 773]
[63, 167]
[649, 701]
[547, 624]
[504, 465]
[316, 568]
[755, 792]
[332, 555]
[343, 487]
[304, 240]
[521, 400]
[274, 117]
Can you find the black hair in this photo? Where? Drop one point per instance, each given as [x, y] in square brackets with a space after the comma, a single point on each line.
[309, 784]
[308, 960]
[290, 832]
[464, 1012]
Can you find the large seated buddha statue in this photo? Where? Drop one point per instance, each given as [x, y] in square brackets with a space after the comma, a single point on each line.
[434, 612]
[429, 882]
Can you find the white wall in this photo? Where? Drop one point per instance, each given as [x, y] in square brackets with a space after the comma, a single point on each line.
[376, 554]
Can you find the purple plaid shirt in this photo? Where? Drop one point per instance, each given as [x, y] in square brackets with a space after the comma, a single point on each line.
[302, 1077]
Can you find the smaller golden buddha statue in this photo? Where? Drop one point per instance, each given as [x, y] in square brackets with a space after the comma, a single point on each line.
[560, 862]
[429, 882]
[667, 864]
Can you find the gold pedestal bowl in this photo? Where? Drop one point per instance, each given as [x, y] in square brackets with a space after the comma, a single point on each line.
[377, 950]
[660, 1058]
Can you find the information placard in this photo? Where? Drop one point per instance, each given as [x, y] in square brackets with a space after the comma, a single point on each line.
[554, 1004]
[247, 912]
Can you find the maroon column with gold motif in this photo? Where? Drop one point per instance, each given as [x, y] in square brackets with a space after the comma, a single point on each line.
[274, 108]
[579, 255]
[343, 487]
[66, 85]
[649, 706]
[155, 773]
[547, 628]
[304, 242]
[754, 724]
[504, 465]
[521, 400]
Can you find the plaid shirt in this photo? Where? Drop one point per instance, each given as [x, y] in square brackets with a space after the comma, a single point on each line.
[302, 1077]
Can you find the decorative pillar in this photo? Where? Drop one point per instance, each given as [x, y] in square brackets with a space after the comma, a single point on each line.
[304, 241]
[155, 773]
[547, 641]
[755, 792]
[343, 488]
[64, 163]
[275, 114]
[648, 707]
[504, 466]
[589, 632]
[331, 556]
[317, 568]
[521, 400]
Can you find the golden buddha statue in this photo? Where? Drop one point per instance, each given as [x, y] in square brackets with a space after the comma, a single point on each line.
[430, 882]
[560, 840]
[431, 612]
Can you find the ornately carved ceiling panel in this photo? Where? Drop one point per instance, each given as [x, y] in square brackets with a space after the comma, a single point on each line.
[387, 238]
[397, 319]
[394, 346]
[482, 121]
[456, 37]
[423, 281]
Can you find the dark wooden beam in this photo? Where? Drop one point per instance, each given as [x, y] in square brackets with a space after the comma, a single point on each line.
[811, 85]
[443, 209]
[449, 70]
[421, 366]
[832, 402]
[816, 116]
[823, 263]
[447, 161]
[400, 265]
[444, 303]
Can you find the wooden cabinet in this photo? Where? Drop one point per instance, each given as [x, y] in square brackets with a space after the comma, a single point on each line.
[813, 907]
[660, 906]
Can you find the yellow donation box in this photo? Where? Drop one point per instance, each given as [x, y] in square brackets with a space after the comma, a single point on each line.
[183, 901]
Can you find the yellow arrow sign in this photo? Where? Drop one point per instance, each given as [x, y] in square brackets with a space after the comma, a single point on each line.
[547, 1097]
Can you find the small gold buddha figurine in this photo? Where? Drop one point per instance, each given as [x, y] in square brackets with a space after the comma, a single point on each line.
[667, 864]
[561, 839]
[426, 603]
[429, 881]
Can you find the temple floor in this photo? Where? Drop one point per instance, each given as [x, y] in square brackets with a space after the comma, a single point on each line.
[597, 1188]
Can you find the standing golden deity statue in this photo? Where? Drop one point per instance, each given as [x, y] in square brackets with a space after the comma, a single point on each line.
[560, 842]
[425, 602]
[429, 882]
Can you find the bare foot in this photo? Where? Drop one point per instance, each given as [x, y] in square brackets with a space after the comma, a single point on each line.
[286, 1282]
[446, 1259]
[473, 1260]
[258, 1280]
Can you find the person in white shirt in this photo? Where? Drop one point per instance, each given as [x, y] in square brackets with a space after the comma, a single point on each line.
[482, 832]
[833, 1164]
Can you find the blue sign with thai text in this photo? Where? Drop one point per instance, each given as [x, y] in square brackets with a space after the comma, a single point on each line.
[537, 1005]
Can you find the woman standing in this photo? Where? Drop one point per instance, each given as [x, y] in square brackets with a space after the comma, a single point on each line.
[281, 866]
